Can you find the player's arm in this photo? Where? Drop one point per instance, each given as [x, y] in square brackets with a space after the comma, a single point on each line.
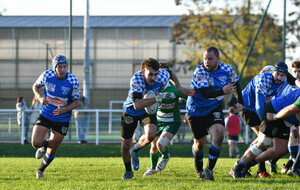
[185, 91]
[211, 93]
[239, 96]
[70, 107]
[36, 91]
[259, 104]
[140, 103]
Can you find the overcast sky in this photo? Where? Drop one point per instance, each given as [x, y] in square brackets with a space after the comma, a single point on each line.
[116, 7]
[107, 7]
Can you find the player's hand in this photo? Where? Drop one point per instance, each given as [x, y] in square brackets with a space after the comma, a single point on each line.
[44, 101]
[186, 91]
[239, 107]
[229, 88]
[58, 111]
[270, 117]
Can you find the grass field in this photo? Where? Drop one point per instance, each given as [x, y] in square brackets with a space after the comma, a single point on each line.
[101, 167]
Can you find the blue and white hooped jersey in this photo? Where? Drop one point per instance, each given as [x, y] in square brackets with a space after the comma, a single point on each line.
[138, 85]
[216, 80]
[263, 85]
[281, 102]
[60, 92]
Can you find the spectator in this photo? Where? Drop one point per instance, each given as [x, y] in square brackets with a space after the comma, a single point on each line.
[21, 106]
[232, 125]
[35, 105]
[81, 120]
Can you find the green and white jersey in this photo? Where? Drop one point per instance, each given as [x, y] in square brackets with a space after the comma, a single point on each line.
[169, 110]
[297, 103]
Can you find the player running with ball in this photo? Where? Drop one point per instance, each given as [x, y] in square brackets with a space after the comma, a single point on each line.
[148, 78]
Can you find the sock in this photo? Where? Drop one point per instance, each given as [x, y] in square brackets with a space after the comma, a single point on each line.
[274, 161]
[128, 166]
[252, 163]
[154, 159]
[239, 166]
[165, 154]
[47, 159]
[261, 167]
[198, 160]
[293, 151]
[296, 164]
[213, 155]
[45, 144]
[137, 147]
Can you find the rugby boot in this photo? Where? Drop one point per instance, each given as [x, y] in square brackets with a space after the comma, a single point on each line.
[127, 175]
[162, 164]
[149, 172]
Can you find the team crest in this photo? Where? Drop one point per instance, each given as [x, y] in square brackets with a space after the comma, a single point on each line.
[50, 86]
[223, 80]
[64, 130]
[217, 115]
[128, 119]
[65, 90]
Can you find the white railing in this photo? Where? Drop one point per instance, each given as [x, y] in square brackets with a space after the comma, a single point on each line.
[96, 111]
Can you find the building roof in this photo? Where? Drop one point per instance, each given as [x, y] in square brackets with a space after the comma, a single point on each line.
[95, 21]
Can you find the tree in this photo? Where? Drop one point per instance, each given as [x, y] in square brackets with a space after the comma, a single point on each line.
[231, 29]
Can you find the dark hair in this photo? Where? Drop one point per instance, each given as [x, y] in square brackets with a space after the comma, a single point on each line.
[150, 63]
[20, 99]
[231, 110]
[164, 65]
[214, 49]
[296, 64]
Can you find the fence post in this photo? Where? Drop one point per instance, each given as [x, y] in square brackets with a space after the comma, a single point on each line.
[97, 127]
[22, 127]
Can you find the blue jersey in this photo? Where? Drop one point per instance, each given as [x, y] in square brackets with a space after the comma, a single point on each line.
[60, 92]
[259, 91]
[286, 100]
[287, 89]
[138, 85]
[216, 80]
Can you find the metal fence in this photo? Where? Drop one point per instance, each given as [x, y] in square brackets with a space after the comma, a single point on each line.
[104, 127]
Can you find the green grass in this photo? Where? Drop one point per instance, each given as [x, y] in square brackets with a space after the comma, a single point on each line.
[101, 167]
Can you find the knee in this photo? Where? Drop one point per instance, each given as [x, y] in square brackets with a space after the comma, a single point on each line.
[35, 143]
[150, 137]
[263, 143]
[162, 143]
[126, 145]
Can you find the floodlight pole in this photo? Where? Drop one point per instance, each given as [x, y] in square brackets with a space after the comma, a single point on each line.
[47, 58]
[254, 39]
[70, 37]
[284, 31]
[86, 63]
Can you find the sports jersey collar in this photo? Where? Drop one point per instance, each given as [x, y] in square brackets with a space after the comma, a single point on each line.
[167, 85]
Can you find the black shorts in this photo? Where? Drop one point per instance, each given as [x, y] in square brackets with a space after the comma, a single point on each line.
[200, 125]
[233, 138]
[276, 128]
[129, 123]
[250, 118]
[60, 127]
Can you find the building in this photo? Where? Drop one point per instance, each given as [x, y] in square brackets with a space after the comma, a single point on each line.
[118, 44]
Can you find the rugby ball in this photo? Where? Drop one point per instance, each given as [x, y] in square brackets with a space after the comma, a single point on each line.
[151, 110]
